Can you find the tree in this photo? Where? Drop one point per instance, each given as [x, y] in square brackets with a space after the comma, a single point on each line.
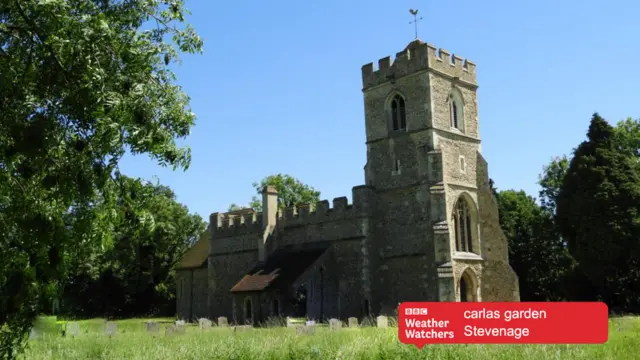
[291, 192]
[536, 253]
[136, 276]
[235, 207]
[80, 83]
[598, 213]
[551, 180]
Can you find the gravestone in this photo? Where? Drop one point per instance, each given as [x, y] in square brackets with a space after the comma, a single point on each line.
[310, 323]
[73, 329]
[383, 322]
[180, 328]
[353, 322]
[111, 328]
[180, 322]
[306, 330]
[241, 328]
[204, 323]
[289, 322]
[152, 327]
[223, 322]
[34, 334]
[335, 324]
[169, 330]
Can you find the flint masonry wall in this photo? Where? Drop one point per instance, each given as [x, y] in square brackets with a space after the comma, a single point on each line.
[234, 246]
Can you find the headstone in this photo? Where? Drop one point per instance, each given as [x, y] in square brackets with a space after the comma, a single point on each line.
[383, 322]
[353, 322]
[306, 330]
[310, 323]
[289, 322]
[34, 334]
[180, 328]
[73, 329]
[152, 327]
[111, 328]
[180, 322]
[223, 322]
[204, 323]
[335, 324]
[169, 330]
[242, 328]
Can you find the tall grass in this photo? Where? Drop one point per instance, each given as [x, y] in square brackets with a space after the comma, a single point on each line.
[133, 342]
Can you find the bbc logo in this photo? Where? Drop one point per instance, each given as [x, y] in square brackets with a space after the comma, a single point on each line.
[415, 311]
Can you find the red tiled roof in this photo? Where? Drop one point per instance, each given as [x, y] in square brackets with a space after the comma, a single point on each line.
[282, 268]
[257, 282]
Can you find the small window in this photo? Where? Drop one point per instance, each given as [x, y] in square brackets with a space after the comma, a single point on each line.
[462, 164]
[454, 114]
[456, 109]
[398, 118]
[396, 168]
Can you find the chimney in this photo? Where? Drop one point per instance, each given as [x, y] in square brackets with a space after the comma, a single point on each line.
[269, 216]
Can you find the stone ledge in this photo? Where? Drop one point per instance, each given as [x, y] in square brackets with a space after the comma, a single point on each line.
[466, 256]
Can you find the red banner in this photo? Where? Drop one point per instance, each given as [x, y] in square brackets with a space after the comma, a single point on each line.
[423, 323]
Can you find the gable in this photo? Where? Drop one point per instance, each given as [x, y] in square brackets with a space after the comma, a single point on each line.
[197, 255]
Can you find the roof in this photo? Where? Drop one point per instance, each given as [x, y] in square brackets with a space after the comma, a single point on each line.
[281, 268]
[197, 255]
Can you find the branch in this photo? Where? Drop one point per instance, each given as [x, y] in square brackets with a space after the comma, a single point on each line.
[41, 38]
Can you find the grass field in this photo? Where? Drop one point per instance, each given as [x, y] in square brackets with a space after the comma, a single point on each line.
[133, 342]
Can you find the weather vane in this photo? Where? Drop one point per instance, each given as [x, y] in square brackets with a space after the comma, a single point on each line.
[415, 19]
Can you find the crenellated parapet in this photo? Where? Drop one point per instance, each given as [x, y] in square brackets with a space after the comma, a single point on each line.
[323, 211]
[415, 57]
[226, 225]
[229, 224]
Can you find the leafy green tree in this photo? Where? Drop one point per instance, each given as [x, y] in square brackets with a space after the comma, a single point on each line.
[551, 180]
[291, 192]
[80, 82]
[135, 277]
[536, 253]
[598, 214]
[235, 207]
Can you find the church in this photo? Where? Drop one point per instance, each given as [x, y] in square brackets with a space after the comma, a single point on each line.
[423, 226]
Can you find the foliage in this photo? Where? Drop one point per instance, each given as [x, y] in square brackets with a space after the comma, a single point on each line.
[291, 191]
[79, 84]
[235, 207]
[598, 214]
[550, 181]
[536, 252]
[136, 276]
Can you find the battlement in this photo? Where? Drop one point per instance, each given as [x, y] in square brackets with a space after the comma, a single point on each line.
[415, 57]
[228, 224]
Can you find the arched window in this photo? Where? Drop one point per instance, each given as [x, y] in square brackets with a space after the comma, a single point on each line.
[463, 226]
[248, 311]
[398, 119]
[456, 109]
[275, 307]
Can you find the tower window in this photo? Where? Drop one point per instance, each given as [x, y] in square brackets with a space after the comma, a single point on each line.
[454, 115]
[456, 109]
[462, 226]
[398, 119]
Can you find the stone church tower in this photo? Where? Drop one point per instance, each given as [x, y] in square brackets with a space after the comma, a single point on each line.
[437, 220]
[423, 227]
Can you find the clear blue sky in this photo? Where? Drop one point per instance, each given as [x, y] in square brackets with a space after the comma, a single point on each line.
[278, 88]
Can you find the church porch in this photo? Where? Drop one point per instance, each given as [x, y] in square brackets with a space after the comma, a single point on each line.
[280, 287]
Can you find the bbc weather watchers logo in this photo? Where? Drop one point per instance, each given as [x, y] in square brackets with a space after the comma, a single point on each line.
[415, 311]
